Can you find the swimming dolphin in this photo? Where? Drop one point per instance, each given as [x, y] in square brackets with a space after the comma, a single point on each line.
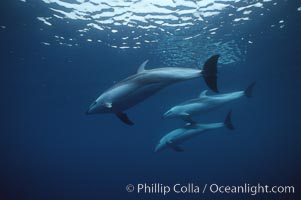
[145, 83]
[176, 137]
[205, 103]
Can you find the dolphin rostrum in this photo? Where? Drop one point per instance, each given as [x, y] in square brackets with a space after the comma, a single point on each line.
[176, 137]
[144, 83]
[205, 103]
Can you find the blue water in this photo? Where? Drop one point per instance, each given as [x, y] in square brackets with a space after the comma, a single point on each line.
[49, 149]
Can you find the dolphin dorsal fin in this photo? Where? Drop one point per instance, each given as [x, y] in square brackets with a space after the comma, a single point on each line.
[204, 93]
[142, 67]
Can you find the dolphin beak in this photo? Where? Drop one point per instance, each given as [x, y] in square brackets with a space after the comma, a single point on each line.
[165, 115]
[158, 148]
[90, 109]
[88, 112]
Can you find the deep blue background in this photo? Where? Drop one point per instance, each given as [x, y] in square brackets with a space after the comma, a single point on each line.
[50, 150]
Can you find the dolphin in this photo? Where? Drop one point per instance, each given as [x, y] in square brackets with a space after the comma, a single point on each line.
[134, 89]
[205, 103]
[176, 137]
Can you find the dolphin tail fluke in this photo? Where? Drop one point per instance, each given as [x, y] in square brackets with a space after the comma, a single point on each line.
[209, 73]
[249, 91]
[228, 122]
[124, 118]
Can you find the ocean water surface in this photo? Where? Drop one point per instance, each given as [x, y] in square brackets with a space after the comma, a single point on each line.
[57, 56]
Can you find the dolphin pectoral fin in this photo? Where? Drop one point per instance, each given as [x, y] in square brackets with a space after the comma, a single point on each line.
[124, 118]
[186, 117]
[203, 94]
[175, 147]
[142, 67]
[228, 122]
[189, 121]
[249, 91]
[210, 73]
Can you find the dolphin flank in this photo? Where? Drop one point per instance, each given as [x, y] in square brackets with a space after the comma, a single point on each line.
[176, 137]
[134, 89]
[205, 103]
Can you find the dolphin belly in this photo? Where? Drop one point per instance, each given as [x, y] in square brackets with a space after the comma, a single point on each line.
[136, 96]
[204, 108]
